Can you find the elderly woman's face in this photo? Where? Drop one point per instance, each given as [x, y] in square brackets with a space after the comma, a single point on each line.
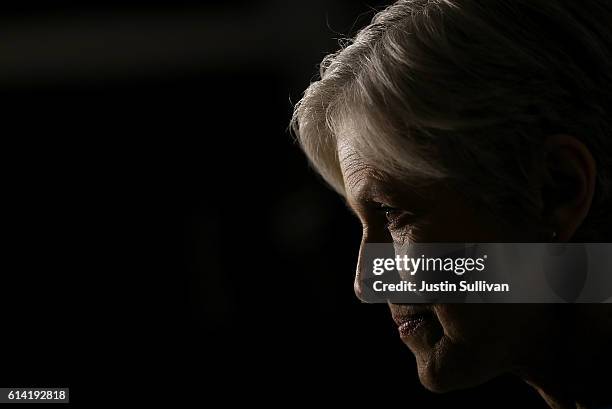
[455, 345]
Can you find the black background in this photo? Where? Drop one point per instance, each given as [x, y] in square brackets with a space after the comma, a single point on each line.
[164, 237]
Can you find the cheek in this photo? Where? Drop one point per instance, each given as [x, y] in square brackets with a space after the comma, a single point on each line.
[460, 321]
[455, 219]
[507, 333]
[477, 324]
[456, 224]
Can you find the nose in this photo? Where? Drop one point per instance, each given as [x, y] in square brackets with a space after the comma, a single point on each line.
[362, 285]
[360, 272]
[357, 284]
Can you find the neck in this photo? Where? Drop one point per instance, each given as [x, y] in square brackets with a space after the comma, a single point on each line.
[574, 370]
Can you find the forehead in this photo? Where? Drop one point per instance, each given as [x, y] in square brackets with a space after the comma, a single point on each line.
[365, 182]
[361, 179]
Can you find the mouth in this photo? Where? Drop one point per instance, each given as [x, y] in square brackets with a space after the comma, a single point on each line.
[410, 319]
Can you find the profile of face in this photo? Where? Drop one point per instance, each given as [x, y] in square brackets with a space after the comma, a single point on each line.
[455, 345]
[500, 111]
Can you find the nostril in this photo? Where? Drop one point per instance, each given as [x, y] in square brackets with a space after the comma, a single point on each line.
[358, 288]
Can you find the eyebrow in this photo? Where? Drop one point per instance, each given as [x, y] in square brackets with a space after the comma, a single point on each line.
[360, 178]
[355, 173]
[363, 183]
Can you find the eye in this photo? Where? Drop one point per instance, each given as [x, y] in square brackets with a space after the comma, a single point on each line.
[390, 213]
[395, 218]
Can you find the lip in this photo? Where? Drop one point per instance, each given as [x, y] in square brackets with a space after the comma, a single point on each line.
[410, 320]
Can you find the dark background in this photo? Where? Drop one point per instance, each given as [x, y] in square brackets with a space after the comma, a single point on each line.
[164, 237]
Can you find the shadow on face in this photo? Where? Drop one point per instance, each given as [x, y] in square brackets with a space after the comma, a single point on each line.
[455, 345]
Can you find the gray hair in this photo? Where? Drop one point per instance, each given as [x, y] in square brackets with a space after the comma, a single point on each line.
[464, 91]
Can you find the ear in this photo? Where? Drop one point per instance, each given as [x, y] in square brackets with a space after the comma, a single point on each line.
[568, 184]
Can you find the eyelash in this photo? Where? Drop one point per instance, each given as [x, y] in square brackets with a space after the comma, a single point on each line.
[386, 211]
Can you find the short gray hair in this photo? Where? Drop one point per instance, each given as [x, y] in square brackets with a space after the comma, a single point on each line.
[465, 91]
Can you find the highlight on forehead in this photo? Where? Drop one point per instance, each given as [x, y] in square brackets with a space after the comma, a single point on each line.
[355, 170]
[385, 147]
[364, 182]
[370, 133]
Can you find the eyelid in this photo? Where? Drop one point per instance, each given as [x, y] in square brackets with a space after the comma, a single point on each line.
[378, 205]
[389, 209]
[401, 216]
[383, 208]
[389, 212]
